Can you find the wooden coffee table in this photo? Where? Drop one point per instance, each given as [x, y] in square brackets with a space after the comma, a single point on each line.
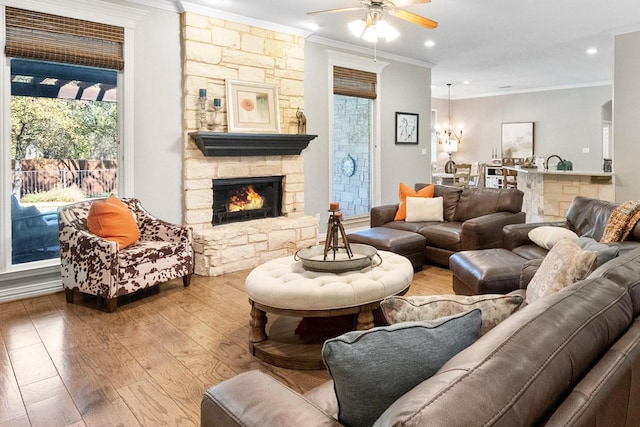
[284, 288]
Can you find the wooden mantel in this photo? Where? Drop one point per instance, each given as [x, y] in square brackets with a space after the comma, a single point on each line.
[216, 144]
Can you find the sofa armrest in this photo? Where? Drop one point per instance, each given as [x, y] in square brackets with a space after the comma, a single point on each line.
[256, 399]
[529, 270]
[87, 262]
[485, 231]
[518, 234]
[156, 229]
[380, 215]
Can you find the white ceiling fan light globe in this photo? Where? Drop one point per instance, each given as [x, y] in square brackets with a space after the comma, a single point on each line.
[357, 27]
[386, 31]
[371, 34]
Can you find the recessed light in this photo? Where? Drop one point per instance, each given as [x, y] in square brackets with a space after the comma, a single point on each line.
[466, 82]
[433, 86]
[592, 51]
[429, 43]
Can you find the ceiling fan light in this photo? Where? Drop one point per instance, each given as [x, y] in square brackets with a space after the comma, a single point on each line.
[386, 31]
[357, 27]
[370, 34]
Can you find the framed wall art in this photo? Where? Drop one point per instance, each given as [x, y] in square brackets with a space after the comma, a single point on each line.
[406, 128]
[517, 140]
[252, 107]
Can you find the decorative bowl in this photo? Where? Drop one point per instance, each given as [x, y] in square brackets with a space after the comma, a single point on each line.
[313, 258]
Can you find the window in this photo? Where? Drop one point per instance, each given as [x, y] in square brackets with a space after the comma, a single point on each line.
[62, 126]
[64, 148]
[353, 95]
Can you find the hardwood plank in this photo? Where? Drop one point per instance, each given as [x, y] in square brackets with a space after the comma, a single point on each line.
[49, 404]
[32, 364]
[11, 407]
[154, 408]
[148, 363]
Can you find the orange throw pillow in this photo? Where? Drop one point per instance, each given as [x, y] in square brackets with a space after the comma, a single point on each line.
[406, 191]
[111, 219]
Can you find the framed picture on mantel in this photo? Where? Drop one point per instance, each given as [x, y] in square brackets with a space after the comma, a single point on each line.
[252, 107]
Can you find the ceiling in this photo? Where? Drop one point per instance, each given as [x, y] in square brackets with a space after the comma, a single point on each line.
[497, 46]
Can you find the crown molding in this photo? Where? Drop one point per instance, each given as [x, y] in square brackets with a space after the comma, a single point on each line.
[368, 51]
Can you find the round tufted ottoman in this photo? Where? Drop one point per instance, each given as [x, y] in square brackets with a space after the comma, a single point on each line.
[282, 286]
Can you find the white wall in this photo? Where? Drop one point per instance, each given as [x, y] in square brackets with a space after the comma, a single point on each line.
[626, 116]
[403, 88]
[565, 122]
[158, 114]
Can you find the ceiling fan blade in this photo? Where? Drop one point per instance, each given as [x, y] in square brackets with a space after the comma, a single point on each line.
[409, 2]
[413, 18]
[343, 9]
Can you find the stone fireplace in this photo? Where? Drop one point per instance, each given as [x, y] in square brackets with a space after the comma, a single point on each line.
[215, 50]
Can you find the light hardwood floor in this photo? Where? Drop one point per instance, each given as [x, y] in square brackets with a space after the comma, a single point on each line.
[147, 364]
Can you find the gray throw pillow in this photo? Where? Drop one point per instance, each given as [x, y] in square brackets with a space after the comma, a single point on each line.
[603, 251]
[372, 369]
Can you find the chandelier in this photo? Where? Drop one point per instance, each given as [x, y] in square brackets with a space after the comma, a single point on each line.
[373, 28]
[449, 137]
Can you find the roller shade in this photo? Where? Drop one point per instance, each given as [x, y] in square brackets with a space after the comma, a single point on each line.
[45, 37]
[349, 82]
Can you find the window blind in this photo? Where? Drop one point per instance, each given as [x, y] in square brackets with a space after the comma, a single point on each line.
[349, 82]
[45, 37]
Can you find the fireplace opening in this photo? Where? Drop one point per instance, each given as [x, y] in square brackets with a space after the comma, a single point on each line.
[243, 199]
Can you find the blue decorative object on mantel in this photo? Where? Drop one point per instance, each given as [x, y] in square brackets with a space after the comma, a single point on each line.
[203, 93]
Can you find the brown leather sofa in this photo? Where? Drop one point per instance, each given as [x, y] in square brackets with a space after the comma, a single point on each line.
[502, 271]
[585, 217]
[568, 359]
[473, 219]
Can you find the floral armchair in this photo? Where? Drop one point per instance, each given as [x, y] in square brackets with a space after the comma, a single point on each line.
[93, 265]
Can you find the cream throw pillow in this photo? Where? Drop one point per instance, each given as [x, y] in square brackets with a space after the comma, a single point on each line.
[495, 307]
[564, 265]
[547, 236]
[425, 209]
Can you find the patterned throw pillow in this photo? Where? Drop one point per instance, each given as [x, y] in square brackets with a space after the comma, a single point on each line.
[495, 308]
[372, 369]
[564, 265]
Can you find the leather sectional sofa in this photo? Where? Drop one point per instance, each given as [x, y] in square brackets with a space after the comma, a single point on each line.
[571, 358]
[510, 268]
[473, 219]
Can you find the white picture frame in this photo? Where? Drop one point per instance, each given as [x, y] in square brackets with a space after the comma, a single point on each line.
[252, 107]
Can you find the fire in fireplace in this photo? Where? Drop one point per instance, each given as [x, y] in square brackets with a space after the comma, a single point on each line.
[242, 199]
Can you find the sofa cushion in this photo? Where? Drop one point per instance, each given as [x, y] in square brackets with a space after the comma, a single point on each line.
[424, 209]
[564, 265]
[406, 191]
[547, 236]
[604, 253]
[517, 372]
[475, 202]
[111, 219]
[495, 307]
[371, 369]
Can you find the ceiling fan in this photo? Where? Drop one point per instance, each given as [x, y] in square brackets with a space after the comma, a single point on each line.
[375, 9]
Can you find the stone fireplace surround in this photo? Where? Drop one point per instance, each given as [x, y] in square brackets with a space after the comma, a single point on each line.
[214, 50]
[236, 246]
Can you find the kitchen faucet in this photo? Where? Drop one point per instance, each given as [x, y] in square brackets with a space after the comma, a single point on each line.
[546, 164]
